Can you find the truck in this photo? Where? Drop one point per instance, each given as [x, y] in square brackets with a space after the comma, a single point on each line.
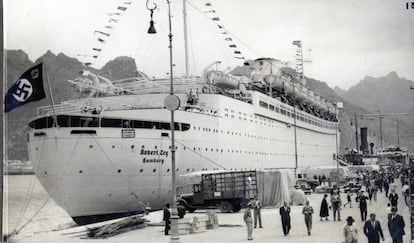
[228, 191]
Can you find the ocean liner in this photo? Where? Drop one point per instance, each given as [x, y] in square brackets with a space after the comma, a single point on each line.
[109, 155]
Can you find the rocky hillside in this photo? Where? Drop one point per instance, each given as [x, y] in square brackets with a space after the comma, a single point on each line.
[388, 94]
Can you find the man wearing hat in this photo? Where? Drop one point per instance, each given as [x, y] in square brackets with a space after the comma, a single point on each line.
[285, 217]
[396, 226]
[350, 231]
[247, 217]
[373, 230]
[393, 197]
[362, 198]
[257, 205]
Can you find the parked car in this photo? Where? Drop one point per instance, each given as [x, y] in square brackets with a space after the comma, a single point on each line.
[303, 185]
[323, 189]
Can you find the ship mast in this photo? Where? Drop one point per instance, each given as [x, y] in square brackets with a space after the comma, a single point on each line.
[185, 38]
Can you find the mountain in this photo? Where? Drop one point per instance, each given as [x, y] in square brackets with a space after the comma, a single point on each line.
[388, 94]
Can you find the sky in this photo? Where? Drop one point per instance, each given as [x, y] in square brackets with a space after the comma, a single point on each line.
[343, 40]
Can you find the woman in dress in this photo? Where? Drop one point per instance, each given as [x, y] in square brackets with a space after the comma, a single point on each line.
[324, 212]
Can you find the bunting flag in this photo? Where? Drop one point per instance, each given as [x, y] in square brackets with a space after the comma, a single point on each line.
[297, 43]
[100, 32]
[110, 14]
[236, 53]
[102, 36]
[101, 40]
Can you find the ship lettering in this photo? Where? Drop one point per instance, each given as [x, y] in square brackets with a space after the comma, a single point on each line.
[152, 160]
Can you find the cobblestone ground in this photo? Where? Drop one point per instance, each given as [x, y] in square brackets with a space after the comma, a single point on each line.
[329, 232]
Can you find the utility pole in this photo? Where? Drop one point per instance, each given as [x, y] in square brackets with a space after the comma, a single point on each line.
[295, 132]
[398, 132]
[380, 123]
[356, 132]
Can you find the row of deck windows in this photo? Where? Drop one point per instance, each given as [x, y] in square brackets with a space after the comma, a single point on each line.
[287, 112]
[83, 121]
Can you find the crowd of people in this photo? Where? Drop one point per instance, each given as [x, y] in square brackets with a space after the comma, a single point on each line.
[374, 182]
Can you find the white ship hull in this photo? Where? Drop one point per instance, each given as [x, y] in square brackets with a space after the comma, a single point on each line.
[103, 173]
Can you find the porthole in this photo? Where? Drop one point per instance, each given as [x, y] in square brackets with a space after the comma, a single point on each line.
[132, 146]
[37, 149]
[45, 172]
[119, 170]
[113, 146]
[168, 170]
[177, 169]
[155, 147]
[80, 171]
[141, 170]
[154, 170]
[90, 146]
[188, 170]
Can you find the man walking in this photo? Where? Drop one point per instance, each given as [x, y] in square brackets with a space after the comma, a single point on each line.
[285, 216]
[396, 226]
[257, 205]
[166, 218]
[247, 217]
[393, 197]
[336, 204]
[350, 231]
[386, 187]
[373, 230]
[308, 211]
[362, 198]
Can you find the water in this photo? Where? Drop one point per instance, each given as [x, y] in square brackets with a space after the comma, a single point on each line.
[24, 196]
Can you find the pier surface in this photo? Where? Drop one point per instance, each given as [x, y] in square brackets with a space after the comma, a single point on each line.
[52, 224]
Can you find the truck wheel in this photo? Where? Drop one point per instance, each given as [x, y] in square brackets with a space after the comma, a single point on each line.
[236, 207]
[190, 210]
[226, 207]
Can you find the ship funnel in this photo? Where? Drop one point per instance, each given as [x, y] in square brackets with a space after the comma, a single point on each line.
[364, 140]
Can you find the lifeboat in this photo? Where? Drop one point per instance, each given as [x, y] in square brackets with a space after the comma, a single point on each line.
[223, 80]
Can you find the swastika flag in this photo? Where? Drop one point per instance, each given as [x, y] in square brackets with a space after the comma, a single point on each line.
[28, 88]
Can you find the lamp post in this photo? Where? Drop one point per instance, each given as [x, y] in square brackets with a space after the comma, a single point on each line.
[171, 103]
[338, 105]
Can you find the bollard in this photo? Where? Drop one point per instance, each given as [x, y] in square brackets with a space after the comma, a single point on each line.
[194, 225]
[212, 222]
